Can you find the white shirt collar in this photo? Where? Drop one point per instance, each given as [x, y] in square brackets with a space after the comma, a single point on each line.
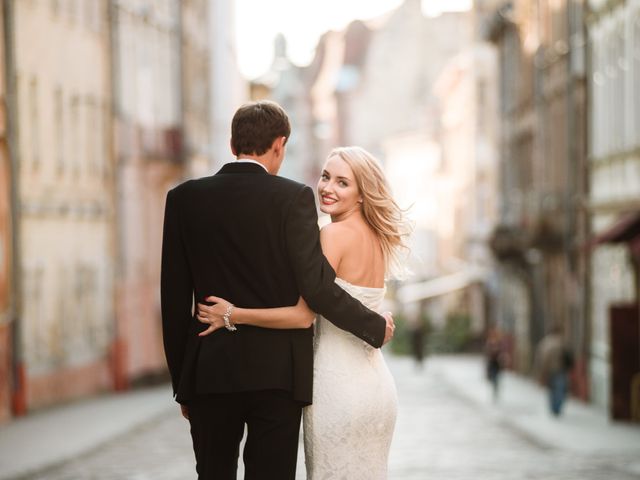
[249, 160]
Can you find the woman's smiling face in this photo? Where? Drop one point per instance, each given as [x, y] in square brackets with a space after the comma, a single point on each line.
[337, 189]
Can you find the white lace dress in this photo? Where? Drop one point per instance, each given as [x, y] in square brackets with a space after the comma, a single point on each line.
[348, 428]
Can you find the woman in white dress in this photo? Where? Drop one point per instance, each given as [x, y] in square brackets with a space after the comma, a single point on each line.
[349, 427]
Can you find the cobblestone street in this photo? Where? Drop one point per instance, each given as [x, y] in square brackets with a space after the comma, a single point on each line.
[441, 434]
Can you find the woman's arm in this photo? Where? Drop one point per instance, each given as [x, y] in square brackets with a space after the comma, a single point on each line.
[297, 316]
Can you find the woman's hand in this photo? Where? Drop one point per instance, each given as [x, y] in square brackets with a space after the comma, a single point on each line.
[212, 315]
[307, 316]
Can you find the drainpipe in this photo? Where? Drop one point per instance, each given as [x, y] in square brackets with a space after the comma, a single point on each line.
[18, 390]
[118, 353]
[576, 177]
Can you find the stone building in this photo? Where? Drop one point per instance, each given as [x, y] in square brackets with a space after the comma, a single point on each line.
[149, 160]
[387, 82]
[467, 101]
[195, 54]
[66, 218]
[289, 85]
[543, 224]
[227, 88]
[614, 203]
[324, 76]
[6, 252]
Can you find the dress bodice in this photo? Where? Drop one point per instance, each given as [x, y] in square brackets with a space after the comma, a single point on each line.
[370, 297]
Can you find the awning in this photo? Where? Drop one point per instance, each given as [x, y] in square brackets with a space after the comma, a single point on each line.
[625, 230]
[416, 292]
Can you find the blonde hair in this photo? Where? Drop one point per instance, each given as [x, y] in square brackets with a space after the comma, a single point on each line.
[379, 209]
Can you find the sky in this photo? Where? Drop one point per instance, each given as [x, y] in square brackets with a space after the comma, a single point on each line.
[302, 22]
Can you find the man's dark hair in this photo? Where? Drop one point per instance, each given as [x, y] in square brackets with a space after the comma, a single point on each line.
[256, 125]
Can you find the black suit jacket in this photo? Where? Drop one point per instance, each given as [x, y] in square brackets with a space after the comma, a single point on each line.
[251, 238]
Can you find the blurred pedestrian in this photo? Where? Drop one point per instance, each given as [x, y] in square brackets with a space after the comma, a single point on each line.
[416, 330]
[495, 358]
[554, 361]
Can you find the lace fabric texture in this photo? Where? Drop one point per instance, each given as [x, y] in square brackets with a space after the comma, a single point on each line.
[349, 426]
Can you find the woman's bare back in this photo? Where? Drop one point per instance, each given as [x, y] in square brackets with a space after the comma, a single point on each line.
[361, 261]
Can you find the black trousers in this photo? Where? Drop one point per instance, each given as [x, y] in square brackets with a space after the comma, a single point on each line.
[273, 425]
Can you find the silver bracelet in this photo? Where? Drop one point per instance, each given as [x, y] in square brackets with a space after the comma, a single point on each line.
[227, 319]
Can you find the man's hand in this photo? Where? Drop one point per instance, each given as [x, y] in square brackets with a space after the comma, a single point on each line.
[388, 332]
[185, 411]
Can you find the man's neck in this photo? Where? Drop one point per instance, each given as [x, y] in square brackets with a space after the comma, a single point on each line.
[246, 158]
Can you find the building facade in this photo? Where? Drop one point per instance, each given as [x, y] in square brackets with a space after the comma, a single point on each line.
[289, 85]
[614, 202]
[468, 137]
[66, 217]
[149, 160]
[195, 55]
[6, 252]
[543, 223]
[227, 88]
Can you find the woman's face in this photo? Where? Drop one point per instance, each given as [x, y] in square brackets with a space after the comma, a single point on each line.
[337, 189]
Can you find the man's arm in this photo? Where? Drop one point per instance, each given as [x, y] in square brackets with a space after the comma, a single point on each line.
[315, 276]
[176, 291]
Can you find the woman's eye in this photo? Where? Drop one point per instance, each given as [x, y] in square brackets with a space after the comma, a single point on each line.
[324, 177]
[342, 183]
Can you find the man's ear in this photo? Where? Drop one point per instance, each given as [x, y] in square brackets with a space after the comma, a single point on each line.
[233, 149]
[278, 144]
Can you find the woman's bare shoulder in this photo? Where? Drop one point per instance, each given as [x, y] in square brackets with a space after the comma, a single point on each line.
[342, 234]
[339, 231]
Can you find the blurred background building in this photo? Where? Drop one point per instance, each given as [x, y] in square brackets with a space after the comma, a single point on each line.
[540, 239]
[60, 57]
[613, 31]
[6, 241]
[509, 131]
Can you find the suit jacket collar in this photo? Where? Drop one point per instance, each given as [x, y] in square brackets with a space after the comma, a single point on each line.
[242, 167]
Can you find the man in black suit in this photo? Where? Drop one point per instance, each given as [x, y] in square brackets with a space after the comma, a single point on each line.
[251, 237]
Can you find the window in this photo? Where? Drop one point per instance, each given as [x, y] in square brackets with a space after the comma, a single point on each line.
[58, 121]
[34, 121]
[90, 135]
[74, 135]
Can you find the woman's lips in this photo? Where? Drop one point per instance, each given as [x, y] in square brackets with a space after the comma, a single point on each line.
[328, 200]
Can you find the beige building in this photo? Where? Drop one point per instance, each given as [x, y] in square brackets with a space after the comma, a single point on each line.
[386, 83]
[289, 86]
[6, 252]
[195, 53]
[227, 88]
[150, 160]
[469, 172]
[66, 220]
[614, 203]
[540, 241]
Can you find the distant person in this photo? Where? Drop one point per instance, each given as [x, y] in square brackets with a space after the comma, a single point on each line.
[349, 426]
[417, 332]
[495, 358]
[252, 237]
[553, 362]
